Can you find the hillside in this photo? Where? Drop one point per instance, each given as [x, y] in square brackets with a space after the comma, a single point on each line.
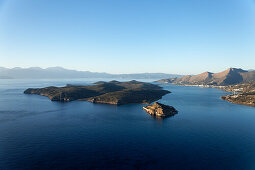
[112, 92]
[228, 77]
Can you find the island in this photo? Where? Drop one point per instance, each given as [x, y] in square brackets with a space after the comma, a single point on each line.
[243, 93]
[160, 110]
[113, 92]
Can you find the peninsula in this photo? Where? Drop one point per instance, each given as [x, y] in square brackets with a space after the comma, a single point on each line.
[113, 92]
[241, 94]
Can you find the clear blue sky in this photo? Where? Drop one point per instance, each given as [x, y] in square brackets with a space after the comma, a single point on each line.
[127, 36]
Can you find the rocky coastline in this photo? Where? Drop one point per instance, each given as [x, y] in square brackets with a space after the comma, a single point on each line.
[160, 110]
[243, 94]
[113, 92]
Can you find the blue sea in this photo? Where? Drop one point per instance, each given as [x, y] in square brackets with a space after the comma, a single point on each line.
[207, 133]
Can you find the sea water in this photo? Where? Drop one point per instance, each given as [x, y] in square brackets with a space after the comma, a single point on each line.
[207, 133]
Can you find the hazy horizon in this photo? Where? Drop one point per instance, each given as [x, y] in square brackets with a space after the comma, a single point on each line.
[117, 73]
[125, 37]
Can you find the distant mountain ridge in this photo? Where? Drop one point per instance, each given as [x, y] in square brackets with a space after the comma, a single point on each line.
[59, 72]
[228, 77]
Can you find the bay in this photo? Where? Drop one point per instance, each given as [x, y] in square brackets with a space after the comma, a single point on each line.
[207, 133]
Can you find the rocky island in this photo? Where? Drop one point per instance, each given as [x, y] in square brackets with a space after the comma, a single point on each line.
[113, 92]
[242, 94]
[160, 110]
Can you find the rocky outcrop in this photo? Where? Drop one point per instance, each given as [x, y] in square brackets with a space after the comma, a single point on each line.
[160, 110]
[112, 92]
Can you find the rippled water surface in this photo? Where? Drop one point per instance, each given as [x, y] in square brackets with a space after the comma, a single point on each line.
[207, 133]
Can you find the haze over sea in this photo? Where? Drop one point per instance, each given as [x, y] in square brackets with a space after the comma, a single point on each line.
[207, 133]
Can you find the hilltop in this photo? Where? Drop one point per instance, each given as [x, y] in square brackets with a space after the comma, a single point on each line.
[228, 77]
[113, 92]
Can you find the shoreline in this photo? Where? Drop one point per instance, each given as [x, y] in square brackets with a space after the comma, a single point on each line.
[237, 96]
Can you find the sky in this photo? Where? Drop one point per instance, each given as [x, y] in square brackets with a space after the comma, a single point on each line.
[128, 36]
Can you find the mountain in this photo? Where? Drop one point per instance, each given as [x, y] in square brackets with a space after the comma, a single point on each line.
[59, 72]
[145, 75]
[227, 77]
[248, 77]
